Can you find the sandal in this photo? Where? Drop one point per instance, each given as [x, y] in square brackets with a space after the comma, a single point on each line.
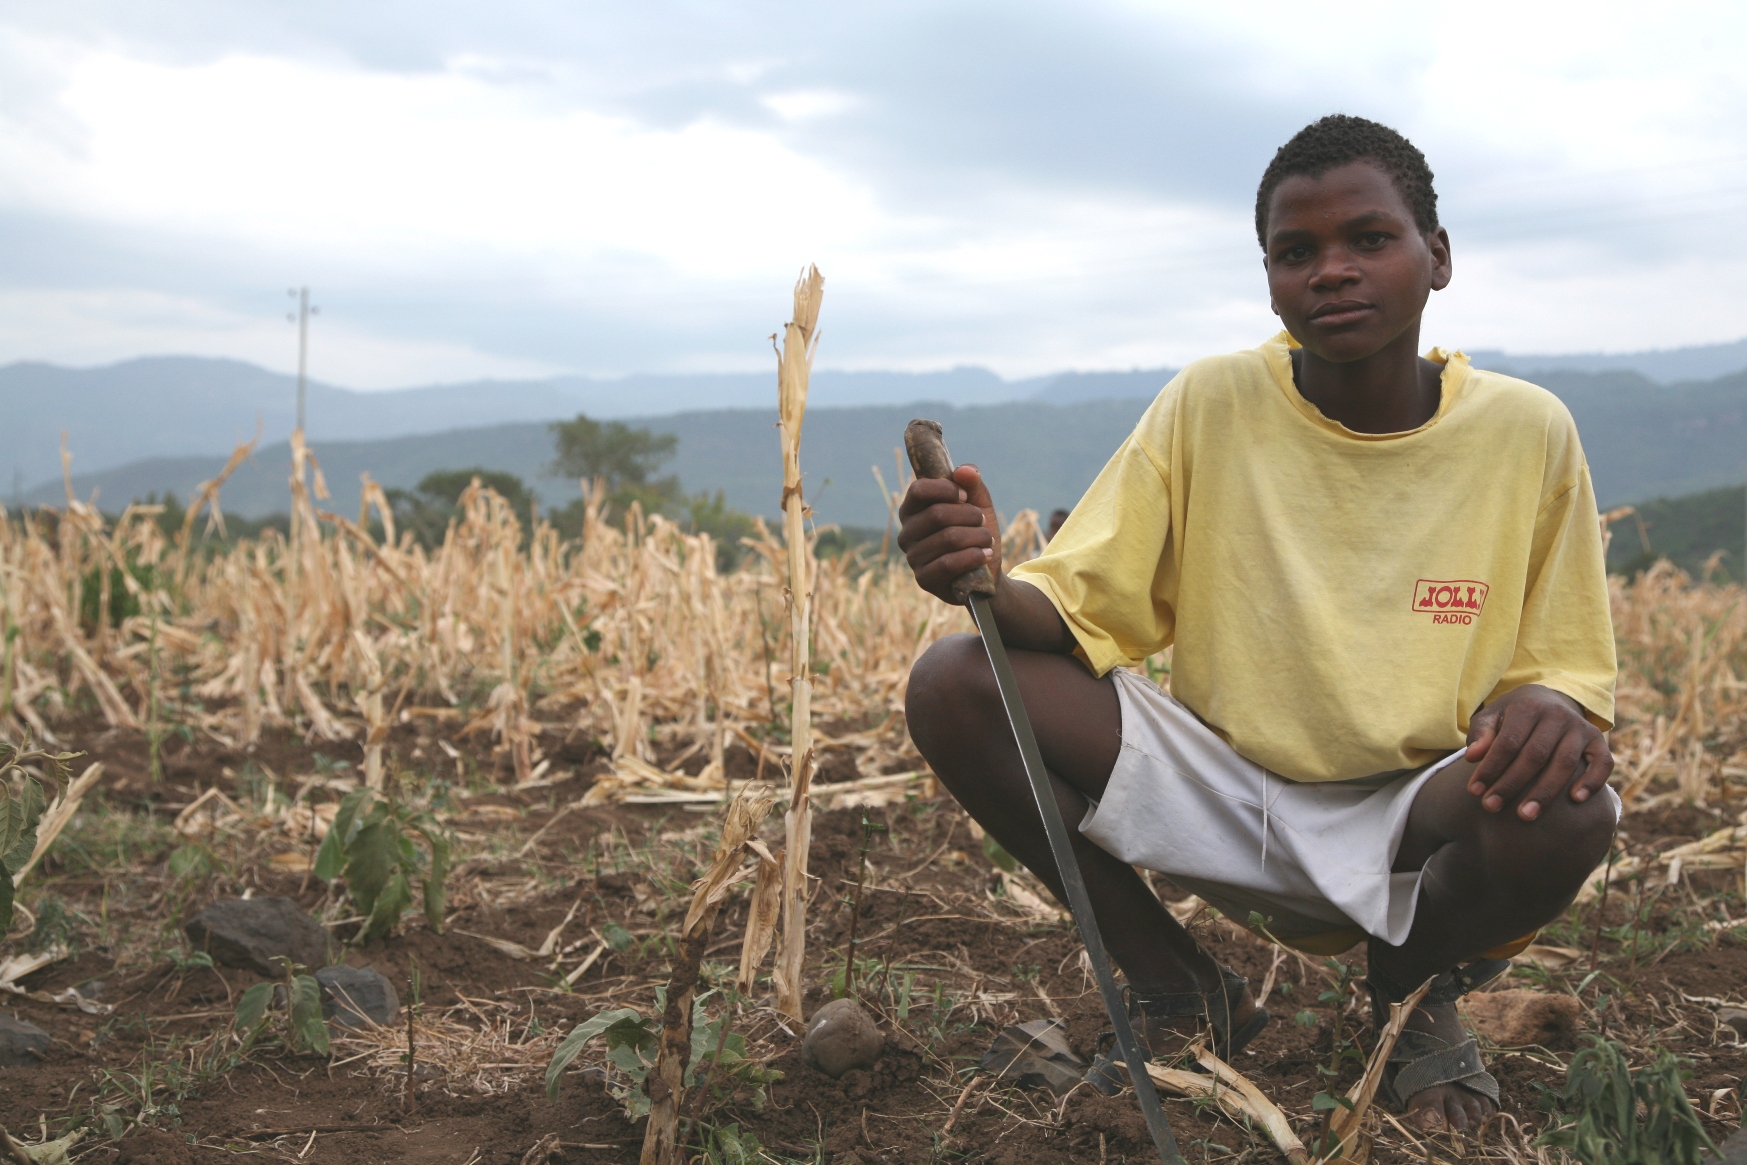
[1421, 1060]
[1213, 1006]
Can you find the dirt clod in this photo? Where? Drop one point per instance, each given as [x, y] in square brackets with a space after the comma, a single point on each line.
[1519, 1019]
[256, 932]
[1036, 1055]
[357, 996]
[841, 1037]
[21, 1043]
[1735, 1017]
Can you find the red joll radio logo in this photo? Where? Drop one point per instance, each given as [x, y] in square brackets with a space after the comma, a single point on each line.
[1454, 600]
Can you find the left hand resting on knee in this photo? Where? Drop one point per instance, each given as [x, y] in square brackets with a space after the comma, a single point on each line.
[1533, 743]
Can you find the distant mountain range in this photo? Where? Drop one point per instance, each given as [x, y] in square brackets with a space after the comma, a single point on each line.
[1643, 440]
[1663, 365]
[1043, 454]
[177, 406]
[167, 423]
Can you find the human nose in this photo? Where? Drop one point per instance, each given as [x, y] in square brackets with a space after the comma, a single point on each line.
[1334, 269]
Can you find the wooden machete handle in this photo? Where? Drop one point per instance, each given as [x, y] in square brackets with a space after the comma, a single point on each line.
[926, 445]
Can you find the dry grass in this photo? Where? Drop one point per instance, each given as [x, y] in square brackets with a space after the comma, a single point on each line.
[630, 635]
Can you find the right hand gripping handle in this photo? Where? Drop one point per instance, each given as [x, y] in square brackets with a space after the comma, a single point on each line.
[926, 445]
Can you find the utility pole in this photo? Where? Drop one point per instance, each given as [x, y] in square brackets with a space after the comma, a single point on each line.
[304, 311]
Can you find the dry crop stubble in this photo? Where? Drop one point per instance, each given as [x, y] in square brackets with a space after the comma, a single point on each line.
[505, 640]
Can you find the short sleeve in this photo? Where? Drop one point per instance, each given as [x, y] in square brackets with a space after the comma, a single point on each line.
[1105, 569]
[1566, 640]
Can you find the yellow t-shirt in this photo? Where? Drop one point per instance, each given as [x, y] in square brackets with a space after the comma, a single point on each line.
[1341, 603]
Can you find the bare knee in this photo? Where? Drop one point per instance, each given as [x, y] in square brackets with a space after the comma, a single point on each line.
[1550, 857]
[952, 690]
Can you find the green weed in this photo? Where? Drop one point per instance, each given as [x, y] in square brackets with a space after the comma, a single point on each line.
[1622, 1117]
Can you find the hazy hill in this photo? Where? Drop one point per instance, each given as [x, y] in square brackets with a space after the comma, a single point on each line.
[174, 406]
[1043, 455]
[1685, 530]
[1642, 440]
[1663, 365]
[1645, 440]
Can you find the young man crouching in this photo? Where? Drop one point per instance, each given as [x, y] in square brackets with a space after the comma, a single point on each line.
[1393, 663]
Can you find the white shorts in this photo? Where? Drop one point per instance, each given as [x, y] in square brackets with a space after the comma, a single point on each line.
[1312, 858]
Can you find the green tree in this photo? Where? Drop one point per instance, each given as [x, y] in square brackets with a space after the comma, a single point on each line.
[624, 456]
[627, 459]
[427, 509]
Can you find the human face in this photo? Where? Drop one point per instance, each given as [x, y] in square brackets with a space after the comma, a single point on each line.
[1348, 270]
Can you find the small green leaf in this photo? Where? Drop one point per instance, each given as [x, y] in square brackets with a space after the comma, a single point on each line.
[371, 861]
[571, 1045]
[385, 912]
[632, 1032]
[18, 818]
[252, 1009]
[7, 894]
[330, 859]
[306, 1018]
[616, 936]
[438, 841]
[332, 856]
[1305, 1018]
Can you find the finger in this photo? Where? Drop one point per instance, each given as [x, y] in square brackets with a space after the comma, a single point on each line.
[1598, 767]
[942, 516]
[970, 479]
[928, 491]
[936, 578]
[1504, 738]
[1530, 761]
[951, 540]
[1561, 771]
[1481, 732]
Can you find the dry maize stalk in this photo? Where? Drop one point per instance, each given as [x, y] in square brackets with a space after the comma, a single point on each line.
[800, 341]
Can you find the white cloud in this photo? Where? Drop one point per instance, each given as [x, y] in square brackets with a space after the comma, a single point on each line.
[633, 192]
[292, 155]
[808, 104]
[101, 327]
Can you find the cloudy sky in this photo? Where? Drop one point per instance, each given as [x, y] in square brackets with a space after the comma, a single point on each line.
[530, 186]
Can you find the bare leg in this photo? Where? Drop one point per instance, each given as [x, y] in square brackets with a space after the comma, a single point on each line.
[957, 721]
[1489, 878]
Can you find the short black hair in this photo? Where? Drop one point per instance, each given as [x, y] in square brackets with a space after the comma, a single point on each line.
[1339, 139]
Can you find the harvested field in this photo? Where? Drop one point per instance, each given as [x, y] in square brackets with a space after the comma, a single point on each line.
[569, 718]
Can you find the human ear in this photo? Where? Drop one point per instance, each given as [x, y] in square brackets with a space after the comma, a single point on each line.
[1438, 243]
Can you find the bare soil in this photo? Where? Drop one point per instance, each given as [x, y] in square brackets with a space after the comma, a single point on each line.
[947, 957]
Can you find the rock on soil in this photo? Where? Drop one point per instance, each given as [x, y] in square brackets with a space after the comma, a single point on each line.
[1036, 1055]
[21, 1043]
[1518, 1019]
[1734, 1150]
[840, 1038]
[357, 996]
[254, 932]
[1734, 1017]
